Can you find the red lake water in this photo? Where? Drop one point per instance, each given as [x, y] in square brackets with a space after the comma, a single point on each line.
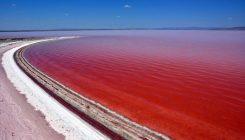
[185, 84]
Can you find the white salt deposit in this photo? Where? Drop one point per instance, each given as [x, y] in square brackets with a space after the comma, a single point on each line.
[60, 118]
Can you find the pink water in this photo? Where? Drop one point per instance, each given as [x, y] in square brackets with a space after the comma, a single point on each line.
[185, 84]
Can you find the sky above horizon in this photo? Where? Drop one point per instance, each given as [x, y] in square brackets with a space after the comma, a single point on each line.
[110, 14]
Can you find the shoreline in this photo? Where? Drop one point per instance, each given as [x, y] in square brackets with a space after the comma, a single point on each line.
[116, 123]
[19, 119]
[58, 117]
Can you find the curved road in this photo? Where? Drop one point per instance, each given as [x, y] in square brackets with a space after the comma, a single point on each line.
[18, 119]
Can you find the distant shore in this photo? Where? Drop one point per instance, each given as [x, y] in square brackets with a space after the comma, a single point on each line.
[165, 28]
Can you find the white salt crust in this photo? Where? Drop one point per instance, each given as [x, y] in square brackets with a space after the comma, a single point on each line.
[60, 118]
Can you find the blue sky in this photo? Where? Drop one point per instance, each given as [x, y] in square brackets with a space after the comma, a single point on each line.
[54, 14]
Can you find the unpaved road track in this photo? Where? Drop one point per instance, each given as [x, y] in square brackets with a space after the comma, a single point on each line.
[18, 119]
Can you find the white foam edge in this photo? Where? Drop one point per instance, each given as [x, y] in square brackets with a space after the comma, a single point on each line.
[60, 118]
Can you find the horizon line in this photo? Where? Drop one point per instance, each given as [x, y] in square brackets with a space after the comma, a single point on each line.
[163, 28]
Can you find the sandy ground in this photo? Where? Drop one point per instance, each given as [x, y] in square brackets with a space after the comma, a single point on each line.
[18, 119]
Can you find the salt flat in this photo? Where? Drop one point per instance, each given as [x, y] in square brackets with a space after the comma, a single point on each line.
[29, 124]
[18, 119]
